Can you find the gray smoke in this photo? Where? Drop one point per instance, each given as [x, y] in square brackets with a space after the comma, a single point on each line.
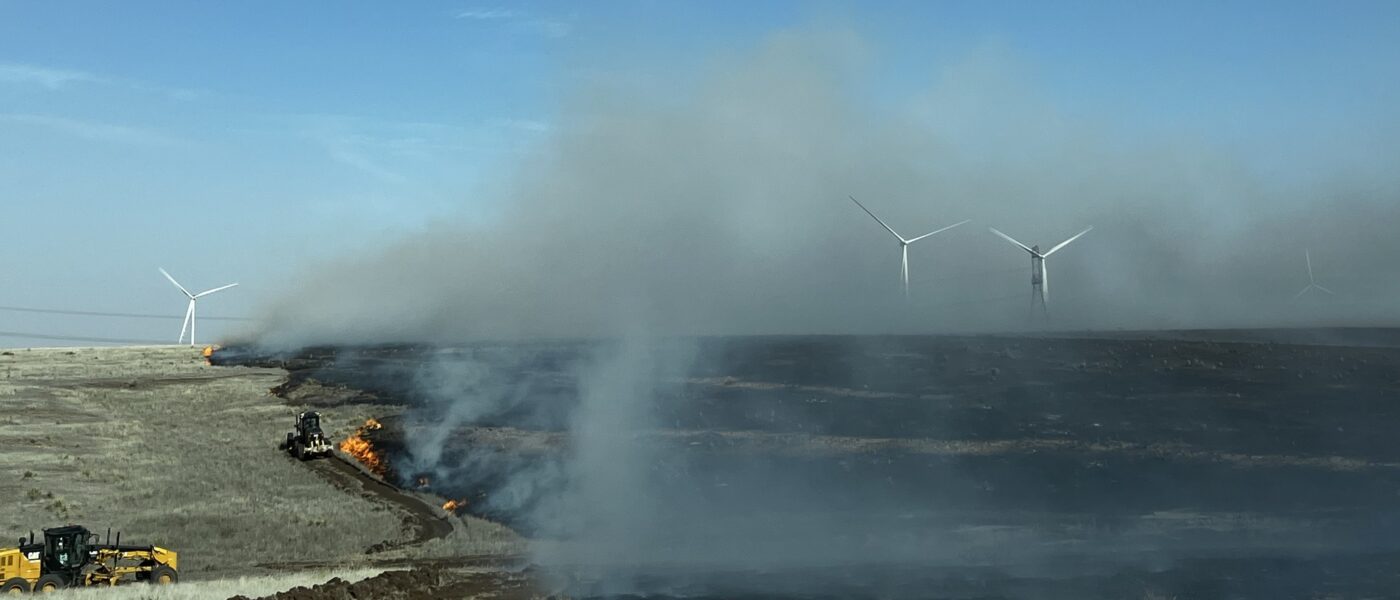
[610, 498]
[719, 206]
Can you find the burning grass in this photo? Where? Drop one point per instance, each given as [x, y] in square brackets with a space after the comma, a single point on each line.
[362, 449]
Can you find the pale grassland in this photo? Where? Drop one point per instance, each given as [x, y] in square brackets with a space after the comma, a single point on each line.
[251, 587]
[171, 451]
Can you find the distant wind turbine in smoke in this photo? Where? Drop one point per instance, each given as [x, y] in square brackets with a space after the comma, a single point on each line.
[1312, 283]
[1040, 277]
[189, 312]
[903, 243]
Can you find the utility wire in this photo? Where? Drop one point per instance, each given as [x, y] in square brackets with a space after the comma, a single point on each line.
[87, 313]
[73, 338]
[982, 300]
[974, 275]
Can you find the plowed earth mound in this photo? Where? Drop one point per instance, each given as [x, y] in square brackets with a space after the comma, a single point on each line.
[415, 584]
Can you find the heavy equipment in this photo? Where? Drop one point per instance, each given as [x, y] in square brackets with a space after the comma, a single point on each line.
[72, 556]
[306, 440]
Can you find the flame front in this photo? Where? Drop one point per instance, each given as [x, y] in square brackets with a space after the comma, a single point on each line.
[363, 451]
[453, 505]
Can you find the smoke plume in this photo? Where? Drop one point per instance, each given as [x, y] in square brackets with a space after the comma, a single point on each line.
[718, 205]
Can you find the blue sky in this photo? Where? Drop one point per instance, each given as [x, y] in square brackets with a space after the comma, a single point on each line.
[237, 141]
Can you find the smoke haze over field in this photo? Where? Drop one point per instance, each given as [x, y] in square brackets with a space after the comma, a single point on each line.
[716, 203]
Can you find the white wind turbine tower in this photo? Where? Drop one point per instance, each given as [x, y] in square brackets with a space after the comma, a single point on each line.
[903, 243]
[1312, 283]
[189, 312]
[1040, 277]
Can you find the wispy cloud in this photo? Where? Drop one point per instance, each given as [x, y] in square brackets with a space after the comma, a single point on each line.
[551, 27]
[352, 155]
[376, 148]
[90, 130]
[519, 21]
[489, 14]
[44, 76]
[526, 125]
[51, 78]
[401, 152]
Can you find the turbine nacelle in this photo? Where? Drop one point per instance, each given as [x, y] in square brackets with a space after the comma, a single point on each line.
[1312, 283]
[1040, 274]
[189, 310]
[903, 243]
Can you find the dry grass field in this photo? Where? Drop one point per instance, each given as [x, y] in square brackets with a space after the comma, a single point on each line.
[252, 586]
[155, 443]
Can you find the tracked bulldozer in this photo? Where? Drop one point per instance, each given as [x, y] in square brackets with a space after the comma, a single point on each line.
[306, 440]
[72, 556]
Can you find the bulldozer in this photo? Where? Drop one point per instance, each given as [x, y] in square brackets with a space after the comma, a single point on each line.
[72, 556]
[306, 440]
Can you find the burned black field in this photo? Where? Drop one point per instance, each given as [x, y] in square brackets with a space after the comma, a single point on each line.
[1192, 464]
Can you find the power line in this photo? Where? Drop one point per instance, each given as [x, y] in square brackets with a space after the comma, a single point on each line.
[980, 300]
[88, 313]
[973, 275]
[73, 338]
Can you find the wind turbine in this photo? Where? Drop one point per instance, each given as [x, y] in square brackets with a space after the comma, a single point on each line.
[903, 243]
[1040, 278]
[1312, 283]
[189, 312]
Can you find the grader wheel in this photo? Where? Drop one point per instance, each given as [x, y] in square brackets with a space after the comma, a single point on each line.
[15, 586]
[163, 575]
[49, 584]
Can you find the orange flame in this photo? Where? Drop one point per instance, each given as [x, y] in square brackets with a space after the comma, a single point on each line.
[452, 505]
[363, 451]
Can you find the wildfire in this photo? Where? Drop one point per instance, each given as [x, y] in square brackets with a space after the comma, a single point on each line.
[363, 451]
[452, 505]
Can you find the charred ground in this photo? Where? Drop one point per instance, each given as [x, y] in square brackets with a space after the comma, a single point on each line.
[1117, 465]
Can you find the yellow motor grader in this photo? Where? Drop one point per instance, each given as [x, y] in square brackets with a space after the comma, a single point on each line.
[72, 556]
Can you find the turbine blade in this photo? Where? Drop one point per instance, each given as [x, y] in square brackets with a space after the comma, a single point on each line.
[177, 284]
[1300, 294]
[877, 219]
[937, 231]
[217, 289]
[1329, 292]
[1009, 239]
[1045, 285]
[1066, 242]
[189, 312]
[904, 268]
[1308, 257]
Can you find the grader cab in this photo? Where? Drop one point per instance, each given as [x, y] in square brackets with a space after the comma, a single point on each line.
[306, 440]
[72, 556]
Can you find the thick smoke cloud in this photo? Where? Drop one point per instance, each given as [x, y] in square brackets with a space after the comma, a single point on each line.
[718, 205]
